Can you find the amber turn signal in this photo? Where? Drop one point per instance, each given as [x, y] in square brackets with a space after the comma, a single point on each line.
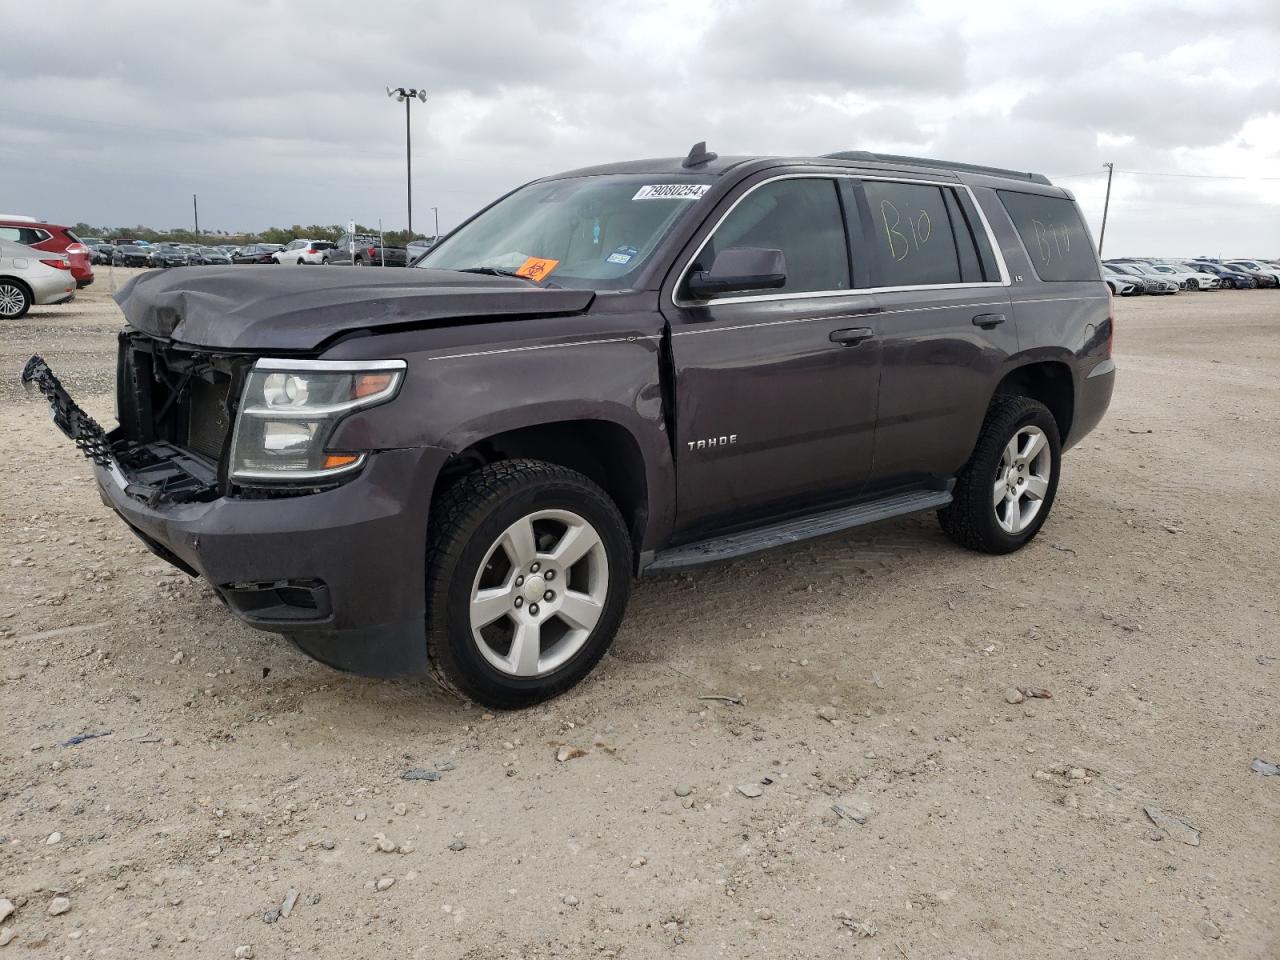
[334, 460]
[367, 384]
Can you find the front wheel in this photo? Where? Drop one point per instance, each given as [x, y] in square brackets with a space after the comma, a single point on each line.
[1004, 494]
[528, 574]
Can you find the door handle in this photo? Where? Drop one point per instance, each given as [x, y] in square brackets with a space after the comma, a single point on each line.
[988, 320]
[851, 336]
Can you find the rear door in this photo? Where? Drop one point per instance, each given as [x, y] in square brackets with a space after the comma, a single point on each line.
[946, 327]
[775, 391]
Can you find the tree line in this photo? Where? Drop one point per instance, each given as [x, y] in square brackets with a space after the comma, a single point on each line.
[281, 235]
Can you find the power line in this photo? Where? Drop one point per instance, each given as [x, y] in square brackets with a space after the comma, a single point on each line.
[1149, 173]
[1192, 176]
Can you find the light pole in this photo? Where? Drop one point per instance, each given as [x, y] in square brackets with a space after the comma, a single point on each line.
[436, 212]
[1111, 168]
[407, 95]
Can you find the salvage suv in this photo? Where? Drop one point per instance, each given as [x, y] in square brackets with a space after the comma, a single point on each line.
[623, 370]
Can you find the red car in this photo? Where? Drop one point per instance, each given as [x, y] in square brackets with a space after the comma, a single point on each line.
[55, 239]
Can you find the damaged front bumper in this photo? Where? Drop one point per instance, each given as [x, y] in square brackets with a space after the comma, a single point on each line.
[340, 572]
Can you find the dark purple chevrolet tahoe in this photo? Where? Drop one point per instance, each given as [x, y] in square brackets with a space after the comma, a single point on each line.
[460, 468]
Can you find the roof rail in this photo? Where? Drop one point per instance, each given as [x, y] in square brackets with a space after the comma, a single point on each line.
[866, 155]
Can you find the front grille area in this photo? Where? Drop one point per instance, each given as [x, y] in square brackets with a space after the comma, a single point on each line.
[207, 420]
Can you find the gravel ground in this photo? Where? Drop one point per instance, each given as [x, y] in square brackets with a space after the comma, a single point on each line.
[874, 673]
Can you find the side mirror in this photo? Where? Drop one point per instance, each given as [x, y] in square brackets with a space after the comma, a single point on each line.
[738, 270]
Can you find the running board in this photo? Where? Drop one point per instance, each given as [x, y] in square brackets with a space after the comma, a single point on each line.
[791, 531]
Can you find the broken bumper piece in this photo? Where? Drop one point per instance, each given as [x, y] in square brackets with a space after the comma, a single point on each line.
[151, 473]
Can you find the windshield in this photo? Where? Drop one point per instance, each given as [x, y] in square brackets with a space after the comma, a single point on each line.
[584, 232]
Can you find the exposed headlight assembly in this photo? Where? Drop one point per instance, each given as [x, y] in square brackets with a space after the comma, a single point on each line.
[289, 409]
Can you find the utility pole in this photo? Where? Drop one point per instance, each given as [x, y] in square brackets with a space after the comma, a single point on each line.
[1111, 167]
[195, 208]
[407, 95]
[436, 211]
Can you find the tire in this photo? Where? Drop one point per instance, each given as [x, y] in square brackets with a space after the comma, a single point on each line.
[301, 262]
[972, 519]
[475, 547]
[15, 299]
[358, 262]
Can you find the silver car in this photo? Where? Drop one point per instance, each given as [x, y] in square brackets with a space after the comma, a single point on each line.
[29, 276]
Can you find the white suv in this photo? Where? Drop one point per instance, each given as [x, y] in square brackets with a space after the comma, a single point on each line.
[303, 251]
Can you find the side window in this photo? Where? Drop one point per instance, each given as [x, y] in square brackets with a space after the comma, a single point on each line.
[1054, 235]
[912, 226]
[10, 233]
[800, 217]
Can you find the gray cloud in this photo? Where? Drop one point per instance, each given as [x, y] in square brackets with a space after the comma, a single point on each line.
[275, 113]
[824, 45]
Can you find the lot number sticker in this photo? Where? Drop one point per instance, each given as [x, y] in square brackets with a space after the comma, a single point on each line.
[672, 191]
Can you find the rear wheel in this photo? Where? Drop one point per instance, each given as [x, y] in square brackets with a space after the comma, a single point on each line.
[15, 299]
[1004, 494]
[528, 574]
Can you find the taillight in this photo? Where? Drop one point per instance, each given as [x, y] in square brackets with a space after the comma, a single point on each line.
[77, 248]
[373, 251]
[57, 264]
[1111, 320]
[312, 252]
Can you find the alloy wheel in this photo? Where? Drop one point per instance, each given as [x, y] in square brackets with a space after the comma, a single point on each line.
[539, 593]
[1022, 479]
[12, 300]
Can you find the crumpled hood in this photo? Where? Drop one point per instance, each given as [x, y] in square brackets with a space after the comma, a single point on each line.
[298, 308]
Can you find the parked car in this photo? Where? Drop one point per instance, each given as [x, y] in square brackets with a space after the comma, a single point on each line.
[167, 256]
[1150, 284]
[131, 255]
[101, 253]
[302, 252]
[210, 256]
[1231, 279]
[1182, 280]
[1185, 278]
[51, 238]
[1120, 284]
[363, 250]
[31, 277]
[1255, 269]
[254, 253]
[460, 467]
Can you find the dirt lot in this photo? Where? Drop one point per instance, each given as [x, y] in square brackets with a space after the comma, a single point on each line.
[872, 669]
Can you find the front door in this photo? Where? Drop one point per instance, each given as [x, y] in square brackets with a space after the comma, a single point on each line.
[775, 393]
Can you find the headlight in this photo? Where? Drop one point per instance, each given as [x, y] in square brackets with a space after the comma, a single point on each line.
[289, 409]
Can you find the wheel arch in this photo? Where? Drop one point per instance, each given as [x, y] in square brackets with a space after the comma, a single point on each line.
[1048, 381]
[605, 451]
[20, 282]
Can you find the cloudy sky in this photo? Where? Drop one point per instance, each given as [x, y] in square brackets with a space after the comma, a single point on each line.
[274, 111]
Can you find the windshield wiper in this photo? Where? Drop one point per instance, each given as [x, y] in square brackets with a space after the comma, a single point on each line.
[493, 272]
[501, 272]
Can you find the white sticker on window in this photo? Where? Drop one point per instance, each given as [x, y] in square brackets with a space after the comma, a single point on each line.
[672, 191]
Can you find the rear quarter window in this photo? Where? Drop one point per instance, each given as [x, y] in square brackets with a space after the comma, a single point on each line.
[1054, 235]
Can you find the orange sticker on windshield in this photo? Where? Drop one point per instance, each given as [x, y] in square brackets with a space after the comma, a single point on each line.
[535, 268]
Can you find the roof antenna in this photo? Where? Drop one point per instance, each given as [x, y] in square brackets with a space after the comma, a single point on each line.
[698, 155]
